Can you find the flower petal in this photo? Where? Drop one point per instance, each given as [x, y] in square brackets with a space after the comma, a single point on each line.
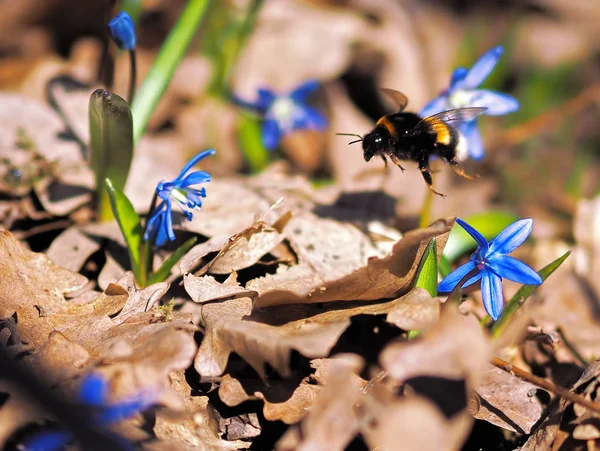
[192, 163]
[271, 133]
[306, 117]
[491, 293]
[49, 441]
[154, 222]
[450, 281]
[478, 237]
[482, 68]
[93, 390]
[458, 77]
[263, 101]
[437, 105]
[497, 103]
[122, 31]
[512, 269]
[300, 94]
[473, 279]
[474, 141]
[124, 409]
[194, 178]
[511, 237]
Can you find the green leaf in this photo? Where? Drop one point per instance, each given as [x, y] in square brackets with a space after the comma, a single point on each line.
[427, 273]
[163, 272]
[489, 224]
[163, 67]
[111, 143]
[524, 292]
[131, 228]
[249, 135]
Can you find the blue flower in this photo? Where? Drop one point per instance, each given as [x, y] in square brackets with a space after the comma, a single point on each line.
[463, 93]
[285, 113]
[122, 31]
[492, 264]
[160, 224]
[93, 395]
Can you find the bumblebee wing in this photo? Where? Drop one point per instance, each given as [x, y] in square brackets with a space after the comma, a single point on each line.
[397, 97]
[455, 117]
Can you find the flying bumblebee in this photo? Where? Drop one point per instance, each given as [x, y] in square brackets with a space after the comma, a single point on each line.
[408, 136]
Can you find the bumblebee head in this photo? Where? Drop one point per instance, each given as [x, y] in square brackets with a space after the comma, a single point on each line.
[374, 143]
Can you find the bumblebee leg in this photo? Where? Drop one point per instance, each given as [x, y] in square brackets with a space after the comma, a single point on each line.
[427, 177]
[459, 171]
[396, 161]
[387, 169]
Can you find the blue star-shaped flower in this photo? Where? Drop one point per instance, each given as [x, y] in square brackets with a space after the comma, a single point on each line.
[160, 224]
[93, 394]
[492, 264]
[463, 93]
[285, 113]
[122, 31]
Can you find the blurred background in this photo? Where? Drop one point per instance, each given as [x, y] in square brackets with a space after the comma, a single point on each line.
[539, 161]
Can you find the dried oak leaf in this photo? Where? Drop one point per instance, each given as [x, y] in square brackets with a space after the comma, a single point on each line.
[332, 421]
[229, 328]
[33, 288]
[72, 248]
[445, 365]
[415, 422]
[16, 411]
[381, 277]
[195, 428]
[206, 288]
[508, 402]
[285, 400]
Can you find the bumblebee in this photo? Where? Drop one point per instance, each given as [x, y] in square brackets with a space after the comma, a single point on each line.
[408, 136]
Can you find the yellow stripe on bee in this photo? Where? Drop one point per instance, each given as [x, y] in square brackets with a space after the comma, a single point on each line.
[444, 136]
[388, 125]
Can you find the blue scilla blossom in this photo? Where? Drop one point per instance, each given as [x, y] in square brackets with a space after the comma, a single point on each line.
[463, 92]
[285, 113]
[492, 264]
[160, 224]
[93, 395]
[122, 31]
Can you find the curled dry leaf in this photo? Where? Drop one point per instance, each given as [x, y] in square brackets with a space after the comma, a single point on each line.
[379, 278]
[33, 288]
[194, 428]
[508, 402]
[286, 401]
[229, 328]
[332, 422]
[204, 289]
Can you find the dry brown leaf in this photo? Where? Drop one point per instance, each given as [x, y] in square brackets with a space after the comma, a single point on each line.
[332, 422]
[415, 422]
[72, 248]
[16, 412]
[384, 277]
[286, 401]
[569, 426]
[206, 288]
[195, 255]
[462, 357]
[229, 328]
[195, 428]
[508, 402]
[32, 287]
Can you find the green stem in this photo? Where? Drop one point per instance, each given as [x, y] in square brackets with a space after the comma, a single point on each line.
[164, 65]
[132, 75]
[147, 250]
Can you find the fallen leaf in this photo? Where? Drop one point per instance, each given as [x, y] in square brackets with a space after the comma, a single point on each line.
[206, 288]
[230, 329]
[384, 277]
[332, 422]
[508, 402]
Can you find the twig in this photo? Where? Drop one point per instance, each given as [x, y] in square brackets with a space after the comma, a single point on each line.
[546, 385]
